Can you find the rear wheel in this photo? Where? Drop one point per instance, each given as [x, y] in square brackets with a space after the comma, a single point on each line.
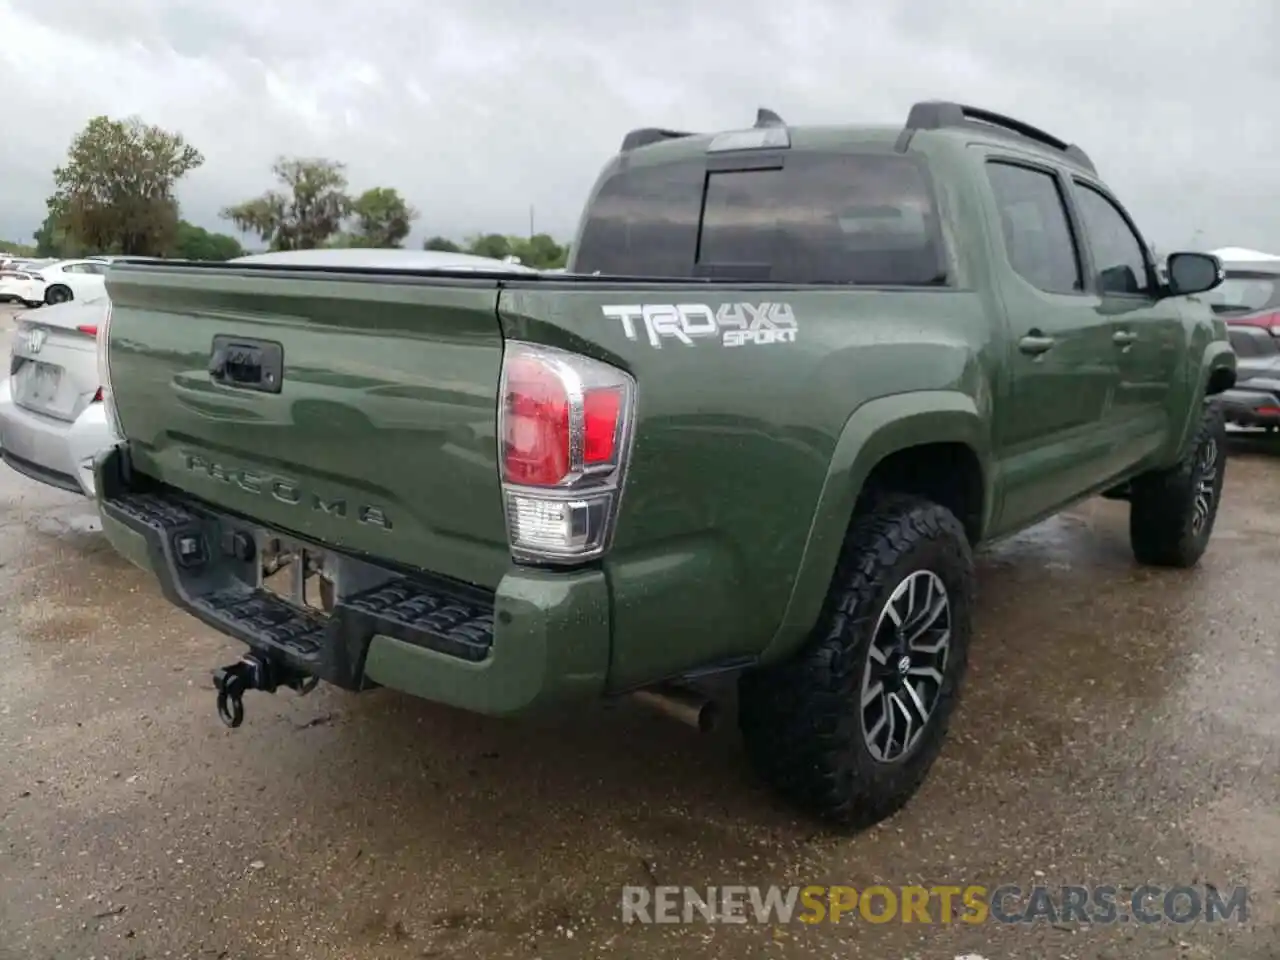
[1172, 511]
[849, 729]
[57, 294]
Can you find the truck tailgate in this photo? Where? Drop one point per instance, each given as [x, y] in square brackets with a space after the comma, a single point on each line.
[378, 435]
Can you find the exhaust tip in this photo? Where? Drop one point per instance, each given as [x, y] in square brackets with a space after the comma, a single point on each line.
[709, 717]
[681, 703]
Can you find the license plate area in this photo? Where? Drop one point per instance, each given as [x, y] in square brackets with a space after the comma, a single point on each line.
[302, 575]
[36, 384]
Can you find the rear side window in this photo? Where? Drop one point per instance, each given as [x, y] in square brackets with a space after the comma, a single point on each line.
[1037, 233]
[818, 218]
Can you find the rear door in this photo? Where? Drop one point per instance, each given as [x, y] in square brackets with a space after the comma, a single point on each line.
[1147, 331]
[86, 279]
[1052, 429]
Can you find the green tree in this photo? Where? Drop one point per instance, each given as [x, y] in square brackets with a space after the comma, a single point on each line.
[493, 245]
[306, 213]
[12, 249]
[46, 238]
[540, 251]
[197, 243]
[382, 218]
[115, 192]
[52, 239]
[443, 244]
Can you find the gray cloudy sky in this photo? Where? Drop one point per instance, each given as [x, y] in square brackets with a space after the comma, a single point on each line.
[478, 110]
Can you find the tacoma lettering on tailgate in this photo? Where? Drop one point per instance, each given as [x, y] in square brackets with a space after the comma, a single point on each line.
[287, 491]
[735, 324]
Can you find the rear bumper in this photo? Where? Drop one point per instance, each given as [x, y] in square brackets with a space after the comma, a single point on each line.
[1250, 408]
[540, 638]
[25, 292]
[55, 452]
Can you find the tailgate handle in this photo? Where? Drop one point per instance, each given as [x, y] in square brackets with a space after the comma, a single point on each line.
[247, 364]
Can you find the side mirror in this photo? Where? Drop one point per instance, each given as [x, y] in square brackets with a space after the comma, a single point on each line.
[1193, 273]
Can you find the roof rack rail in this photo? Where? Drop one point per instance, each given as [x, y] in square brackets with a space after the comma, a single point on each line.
[767, 118]
[940, 114]
[647, 135]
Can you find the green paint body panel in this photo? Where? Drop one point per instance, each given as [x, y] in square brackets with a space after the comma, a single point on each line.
[747, 461]
[389, 403]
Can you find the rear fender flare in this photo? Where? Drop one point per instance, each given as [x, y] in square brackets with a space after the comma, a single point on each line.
[875, 430]
[1217, 356]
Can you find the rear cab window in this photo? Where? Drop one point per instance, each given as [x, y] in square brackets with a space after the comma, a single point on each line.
[864, 218]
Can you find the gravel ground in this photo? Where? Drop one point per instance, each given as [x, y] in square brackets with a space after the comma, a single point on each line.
[1120, 726]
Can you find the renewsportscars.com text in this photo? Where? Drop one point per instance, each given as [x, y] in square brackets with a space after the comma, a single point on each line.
[944, 904]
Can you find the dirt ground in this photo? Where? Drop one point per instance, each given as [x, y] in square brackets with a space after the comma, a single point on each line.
[1120, 725]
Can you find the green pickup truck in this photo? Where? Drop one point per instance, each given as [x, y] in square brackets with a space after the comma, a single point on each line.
[792, 376]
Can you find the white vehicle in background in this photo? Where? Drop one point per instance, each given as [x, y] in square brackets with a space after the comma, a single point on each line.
[29, 263]
[123, 258]
[52, 420]
[55, 282]
[15, 284]
[18, 280]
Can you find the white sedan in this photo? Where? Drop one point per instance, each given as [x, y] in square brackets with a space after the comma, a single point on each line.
[55, 282]
[52, 419]
[22, 284]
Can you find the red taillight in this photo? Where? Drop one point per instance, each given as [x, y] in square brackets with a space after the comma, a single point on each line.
[564, 428]
[103, 331]
[1271, 321]
[601, 410]
[97, 396]
[88, 329]
[535, 442]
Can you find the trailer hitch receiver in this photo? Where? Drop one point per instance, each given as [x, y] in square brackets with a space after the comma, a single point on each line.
[254, 671]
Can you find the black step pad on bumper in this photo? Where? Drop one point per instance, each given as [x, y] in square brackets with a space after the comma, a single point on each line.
[275, 620]
[400, 609]
[218, 589]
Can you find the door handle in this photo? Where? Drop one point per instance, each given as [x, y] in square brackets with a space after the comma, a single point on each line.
[1036, 343]
[1123, 338]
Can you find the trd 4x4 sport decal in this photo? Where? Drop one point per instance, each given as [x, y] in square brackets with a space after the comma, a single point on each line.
[734, 324]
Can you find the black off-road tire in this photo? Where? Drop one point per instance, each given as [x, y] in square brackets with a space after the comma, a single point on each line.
[1166, 526]
[801, 720]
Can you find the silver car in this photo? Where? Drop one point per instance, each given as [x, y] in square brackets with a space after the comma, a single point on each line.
[52, 420]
